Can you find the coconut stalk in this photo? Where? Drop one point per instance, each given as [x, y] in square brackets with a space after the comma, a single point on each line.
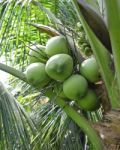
[45, 29]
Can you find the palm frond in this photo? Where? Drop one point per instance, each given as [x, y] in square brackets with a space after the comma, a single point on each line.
[16, 125]
[56, 129]
[16, 33]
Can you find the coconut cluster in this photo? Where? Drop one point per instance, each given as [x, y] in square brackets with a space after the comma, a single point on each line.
[54, 62]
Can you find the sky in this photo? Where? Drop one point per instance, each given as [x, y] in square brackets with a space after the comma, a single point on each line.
[3, 76]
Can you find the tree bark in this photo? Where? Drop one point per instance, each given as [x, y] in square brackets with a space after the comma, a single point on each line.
[109, 130]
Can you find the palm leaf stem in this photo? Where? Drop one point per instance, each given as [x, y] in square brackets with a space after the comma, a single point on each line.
[13, 72]
[113, 21]
[82, 123]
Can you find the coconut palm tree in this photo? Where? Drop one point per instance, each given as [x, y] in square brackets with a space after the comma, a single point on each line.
[28, 121]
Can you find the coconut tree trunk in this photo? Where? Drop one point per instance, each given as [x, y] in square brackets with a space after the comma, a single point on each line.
[109, 130]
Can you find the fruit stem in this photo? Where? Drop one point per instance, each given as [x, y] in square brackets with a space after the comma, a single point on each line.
[13, 72]
[82, 123]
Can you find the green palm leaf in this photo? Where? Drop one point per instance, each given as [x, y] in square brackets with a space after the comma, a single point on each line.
[56, 129]
[16, 125]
